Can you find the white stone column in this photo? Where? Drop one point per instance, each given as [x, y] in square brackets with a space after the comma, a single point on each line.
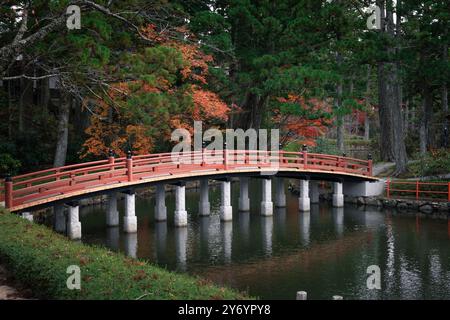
[304, 224]
[303, 201]
[73, 223]
[161, 240]
[131, 245]
[112, 214]
[244, 201]
[280, 195]
[267, 233]
[244, 226]
[338, 219]
[181, 237]
[180, 206]
[227, 234]
[266, 203]
[226, 211]
[59, 218]
[27, 216]
[204, 198]
[338, 196]
[314, 191]
[130, 219]
[112, 238]
[160, 205]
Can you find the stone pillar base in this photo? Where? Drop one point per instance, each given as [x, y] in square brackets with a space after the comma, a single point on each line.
[226, 213]
[130, 224]
[180, 218]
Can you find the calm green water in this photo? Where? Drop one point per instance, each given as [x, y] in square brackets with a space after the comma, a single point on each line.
[325, 252]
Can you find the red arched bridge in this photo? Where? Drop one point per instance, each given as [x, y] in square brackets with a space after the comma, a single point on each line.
[45, 187]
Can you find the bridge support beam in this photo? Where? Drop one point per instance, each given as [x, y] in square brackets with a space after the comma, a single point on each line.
[130, 219]
[204, 198]
[314, 191]
[180, 206]
[226, 211]
[244, 201]
[59, 218]
[338, 196]
[304, 203]
[73, 223]
[160, 205]
[266, 203]
[280, 195]
[112, 215]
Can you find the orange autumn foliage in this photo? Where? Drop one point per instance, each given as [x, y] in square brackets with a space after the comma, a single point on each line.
[299, 128]
[124, 129]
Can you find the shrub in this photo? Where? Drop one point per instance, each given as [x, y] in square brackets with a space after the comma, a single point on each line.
[39, 258]
[434, 163]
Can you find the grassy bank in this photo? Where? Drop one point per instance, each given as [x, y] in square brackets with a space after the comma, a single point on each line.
[39, 258]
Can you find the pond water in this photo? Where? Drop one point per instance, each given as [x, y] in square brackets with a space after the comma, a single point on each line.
[326, 252]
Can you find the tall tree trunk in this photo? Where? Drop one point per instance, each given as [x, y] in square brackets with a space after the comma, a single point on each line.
[444, 94]
[427, 112]
[338, 105]
[392, 140]
[401, 157]
[367, 98]
[63, 130]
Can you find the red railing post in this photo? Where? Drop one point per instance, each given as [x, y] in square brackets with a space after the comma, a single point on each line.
[9, 202]
[417, 190]
[369, 164]
[448, 191]
[111, 161]
[305, 156]
[388, 188]
[129, 166]
[225, 156]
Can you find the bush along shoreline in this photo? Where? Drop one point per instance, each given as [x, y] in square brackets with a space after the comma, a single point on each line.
[39, 259]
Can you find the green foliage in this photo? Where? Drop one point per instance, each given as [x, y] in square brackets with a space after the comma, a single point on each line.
[433, 163]
[325, 146]
[8, 165]
[39, 258]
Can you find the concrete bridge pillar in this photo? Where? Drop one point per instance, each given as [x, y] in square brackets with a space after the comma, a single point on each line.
[244, 201]
[112, 214]
[314, 191]
[227, 234]
[73, 223]
[181, 237]
[226, 211]
[160, 205]
[304, 201]
[59, 218]
[180, 206]
[204, 198]
[266, 203]
[130, 219]
[338, 196]
[280, 195]
[304, 224]
[131, 245]
[338, 219]
[267, 233]
[27, 216]
[112, 238]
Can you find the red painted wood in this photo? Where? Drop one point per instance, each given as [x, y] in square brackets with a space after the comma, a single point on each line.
[35, 186]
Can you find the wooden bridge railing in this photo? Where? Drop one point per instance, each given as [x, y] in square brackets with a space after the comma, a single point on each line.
[418, 189]
[62, 180]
